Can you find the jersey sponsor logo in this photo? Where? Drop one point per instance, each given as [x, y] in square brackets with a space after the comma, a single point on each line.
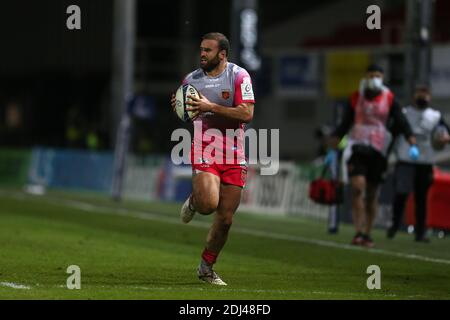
[247, 89]
[226, 94]
[215, 85]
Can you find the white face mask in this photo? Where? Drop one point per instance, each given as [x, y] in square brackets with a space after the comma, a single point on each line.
[374, 83]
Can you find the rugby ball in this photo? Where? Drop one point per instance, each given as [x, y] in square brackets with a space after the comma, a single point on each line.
[439, 132]
[181, 97]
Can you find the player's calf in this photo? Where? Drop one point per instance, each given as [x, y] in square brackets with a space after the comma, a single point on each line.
[218, 233]
[224, 222]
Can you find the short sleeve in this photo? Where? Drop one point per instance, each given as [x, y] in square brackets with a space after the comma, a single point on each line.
[243, 88]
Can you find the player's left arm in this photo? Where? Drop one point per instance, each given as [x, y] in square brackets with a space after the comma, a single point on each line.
[242, 112]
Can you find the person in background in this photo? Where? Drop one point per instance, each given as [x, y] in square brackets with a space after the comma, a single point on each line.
[74, 128]
[320, 134]
[417, 176]
[366, 117]
[92, 138]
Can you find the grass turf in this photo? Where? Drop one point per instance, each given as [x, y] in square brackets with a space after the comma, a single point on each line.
[140, 250]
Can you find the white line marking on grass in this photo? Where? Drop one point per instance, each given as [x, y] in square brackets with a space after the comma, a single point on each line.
[212, 288]
[259, 233]
[215, 289]
[14, 285]
[332, 244]
[274, 291]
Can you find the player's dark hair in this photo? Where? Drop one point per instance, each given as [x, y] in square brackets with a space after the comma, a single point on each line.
[374, 68]
[222, 40]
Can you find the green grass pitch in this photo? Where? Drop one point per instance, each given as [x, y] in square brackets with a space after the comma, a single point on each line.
[140, 250]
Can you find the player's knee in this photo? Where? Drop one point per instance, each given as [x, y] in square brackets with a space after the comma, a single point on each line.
[206, 210]
[206, 207]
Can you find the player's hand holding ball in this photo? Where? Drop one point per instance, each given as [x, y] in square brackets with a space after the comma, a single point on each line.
[180, 102]
[198, 105]
[173, 102]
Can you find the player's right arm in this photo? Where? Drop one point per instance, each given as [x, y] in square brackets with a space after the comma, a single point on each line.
[243, 112]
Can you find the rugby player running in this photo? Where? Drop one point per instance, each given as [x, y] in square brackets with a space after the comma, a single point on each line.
[226, 102]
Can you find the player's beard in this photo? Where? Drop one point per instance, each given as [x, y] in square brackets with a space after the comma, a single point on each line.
[211, 64]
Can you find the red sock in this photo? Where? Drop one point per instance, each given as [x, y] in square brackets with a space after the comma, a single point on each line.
[209, 256]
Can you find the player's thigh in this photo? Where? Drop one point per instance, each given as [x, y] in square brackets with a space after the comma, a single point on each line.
[206, 189]
[230, 198]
